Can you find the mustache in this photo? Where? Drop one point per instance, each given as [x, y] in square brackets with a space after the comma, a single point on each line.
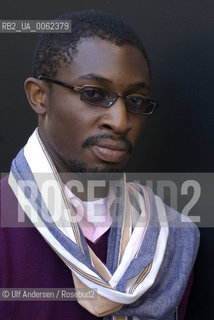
[90, 141]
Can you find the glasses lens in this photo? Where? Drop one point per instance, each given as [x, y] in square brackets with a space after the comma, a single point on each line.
[140, 105]
[98, 96]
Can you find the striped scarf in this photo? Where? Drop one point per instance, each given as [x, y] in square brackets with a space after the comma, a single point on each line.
[150, 253]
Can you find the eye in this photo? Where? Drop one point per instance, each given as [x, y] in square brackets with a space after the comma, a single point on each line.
[93, 95]
[93, 92]
[136, 100]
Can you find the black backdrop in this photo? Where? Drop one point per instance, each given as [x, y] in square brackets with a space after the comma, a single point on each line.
[178, 36]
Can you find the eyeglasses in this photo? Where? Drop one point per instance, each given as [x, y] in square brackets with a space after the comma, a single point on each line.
[102, 97]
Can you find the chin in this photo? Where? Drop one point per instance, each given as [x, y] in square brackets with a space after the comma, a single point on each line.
[76, 166]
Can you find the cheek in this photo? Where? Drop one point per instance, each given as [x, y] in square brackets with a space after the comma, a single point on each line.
[68, 125]
[70, 111]
[137, 127]
[67, 131]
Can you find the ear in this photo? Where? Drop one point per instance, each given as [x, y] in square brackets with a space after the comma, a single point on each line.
[37, 94]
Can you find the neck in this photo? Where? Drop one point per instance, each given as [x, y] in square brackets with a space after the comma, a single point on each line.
[86, 186]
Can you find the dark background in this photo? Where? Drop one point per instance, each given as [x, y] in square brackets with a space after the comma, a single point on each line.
[178, 36]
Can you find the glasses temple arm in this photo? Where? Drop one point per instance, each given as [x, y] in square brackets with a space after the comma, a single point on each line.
[62, 83]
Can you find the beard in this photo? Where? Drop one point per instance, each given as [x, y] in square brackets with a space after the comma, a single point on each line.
[98, 173]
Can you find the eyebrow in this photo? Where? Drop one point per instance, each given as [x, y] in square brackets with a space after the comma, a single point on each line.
[100, 79]
[95, 77]
[139, 85]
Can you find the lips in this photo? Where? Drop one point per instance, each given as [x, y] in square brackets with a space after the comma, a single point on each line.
[110, 151]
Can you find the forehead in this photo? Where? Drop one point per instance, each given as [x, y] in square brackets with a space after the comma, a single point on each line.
[125, 64]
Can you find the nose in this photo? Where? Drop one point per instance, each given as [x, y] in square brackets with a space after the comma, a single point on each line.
[116, 118]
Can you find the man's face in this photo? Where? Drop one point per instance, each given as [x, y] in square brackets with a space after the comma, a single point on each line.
[83, 137]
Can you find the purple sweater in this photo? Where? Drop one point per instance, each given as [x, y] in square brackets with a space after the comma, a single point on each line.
[27, 261]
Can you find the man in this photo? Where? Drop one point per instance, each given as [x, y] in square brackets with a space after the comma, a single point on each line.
[90, 90]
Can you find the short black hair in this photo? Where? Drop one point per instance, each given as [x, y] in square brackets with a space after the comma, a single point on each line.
[53, 49]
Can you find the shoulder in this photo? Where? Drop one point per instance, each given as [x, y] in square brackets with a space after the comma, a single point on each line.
[10, 210]
[7, 197]
[4, 184]
[182, 231]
